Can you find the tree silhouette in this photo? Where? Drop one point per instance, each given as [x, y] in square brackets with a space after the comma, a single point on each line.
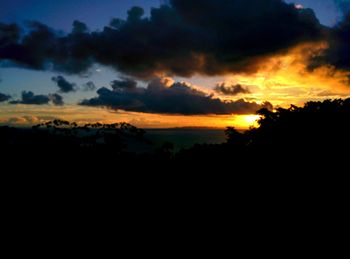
[316, 134]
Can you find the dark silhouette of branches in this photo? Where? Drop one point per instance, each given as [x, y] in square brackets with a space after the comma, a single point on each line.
[317, 134]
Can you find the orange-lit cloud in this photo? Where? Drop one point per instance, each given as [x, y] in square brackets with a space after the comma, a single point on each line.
[285, 79]
[282, 80]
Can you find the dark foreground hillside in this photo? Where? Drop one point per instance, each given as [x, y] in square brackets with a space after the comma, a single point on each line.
[315, 135]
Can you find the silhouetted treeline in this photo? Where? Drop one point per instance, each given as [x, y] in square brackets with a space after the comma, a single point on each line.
[63, 136]
[316, 133]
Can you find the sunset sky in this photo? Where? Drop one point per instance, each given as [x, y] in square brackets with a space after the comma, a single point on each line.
[186, 63]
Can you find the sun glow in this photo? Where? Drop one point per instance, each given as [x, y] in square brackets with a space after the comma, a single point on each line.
[286, 79]
[30, 115]
[283, 79]
[251, 119]
[243, 122]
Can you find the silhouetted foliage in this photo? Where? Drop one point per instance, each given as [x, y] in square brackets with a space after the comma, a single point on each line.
[316, 134]
[165, 152]
[64, 140]
[318, 127]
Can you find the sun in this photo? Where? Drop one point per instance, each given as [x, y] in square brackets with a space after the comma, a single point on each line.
[244, 122]
[251, 119]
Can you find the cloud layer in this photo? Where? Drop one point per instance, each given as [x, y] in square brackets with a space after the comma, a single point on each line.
[30, 98]
[160, 97]
[4, 97]
[89, 86]
[338, 53]
[56, 99]
[182, 38]
[231, 89]
[63, 84]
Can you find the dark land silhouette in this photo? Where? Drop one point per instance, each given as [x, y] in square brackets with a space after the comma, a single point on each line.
[314, 135]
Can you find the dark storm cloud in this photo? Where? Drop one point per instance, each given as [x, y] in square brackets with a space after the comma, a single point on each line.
[9, 34]
[33, 50]
[179, 98]
[338, 53]
[43, 48]
[183, 38]
[4, 97]
[63, 84]
[30, 98]
[124, 83]
[89, 86]
[56, 99]
[231, 89]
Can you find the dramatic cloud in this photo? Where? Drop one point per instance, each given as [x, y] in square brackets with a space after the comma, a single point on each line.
[29, 97]
[179, 98]
[231, 89]
[63, 84]
[182, 38]
[9, 34]
[43, 48]
[338, 52]
[124, 83]
[56, 99]
[4, 97]
[89, 86]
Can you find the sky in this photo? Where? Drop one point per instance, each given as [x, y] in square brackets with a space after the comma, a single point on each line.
[167, 71]
[96, 13]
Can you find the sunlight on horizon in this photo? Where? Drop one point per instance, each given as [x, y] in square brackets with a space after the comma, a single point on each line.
[252, 119]
[283, 80]
[25, 115]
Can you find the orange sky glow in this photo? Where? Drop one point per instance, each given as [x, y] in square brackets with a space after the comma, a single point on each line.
[282, 80]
